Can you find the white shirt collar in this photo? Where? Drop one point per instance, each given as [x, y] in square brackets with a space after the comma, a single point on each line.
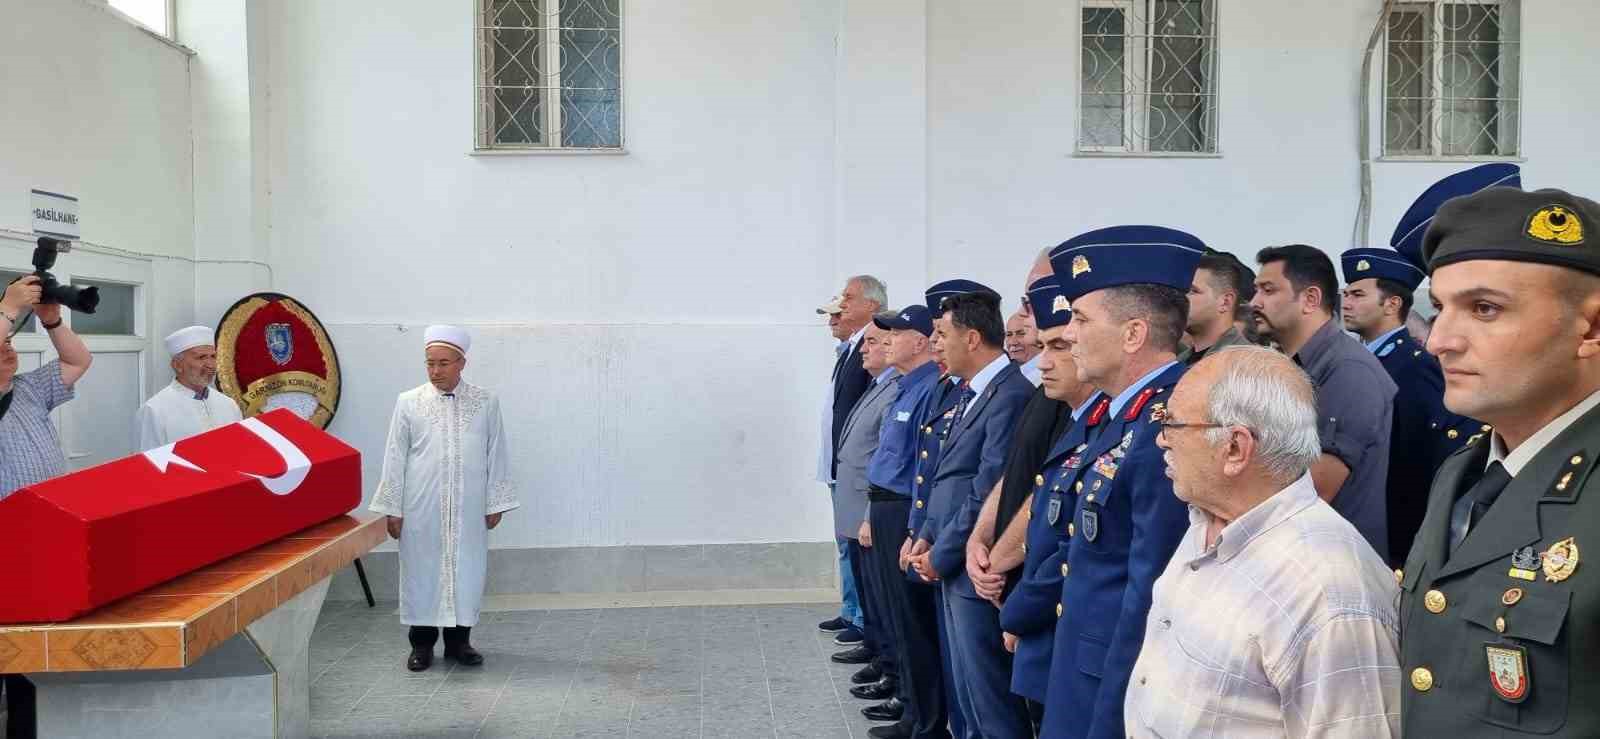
[1516, 460]
[986, 375]
[1030, 370]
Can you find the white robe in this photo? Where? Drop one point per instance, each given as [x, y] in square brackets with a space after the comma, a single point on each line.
[174, 414]
[445, 467]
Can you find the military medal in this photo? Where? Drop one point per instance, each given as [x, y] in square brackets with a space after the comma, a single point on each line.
[1076, 460]
[1053, 513]
[1560, 560]
[1508, 671]
[1525, 564]
[1091, 524]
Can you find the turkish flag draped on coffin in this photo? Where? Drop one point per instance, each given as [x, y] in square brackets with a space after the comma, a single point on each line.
[80, 541]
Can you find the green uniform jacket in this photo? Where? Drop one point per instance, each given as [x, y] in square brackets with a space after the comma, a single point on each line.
[1492, 649]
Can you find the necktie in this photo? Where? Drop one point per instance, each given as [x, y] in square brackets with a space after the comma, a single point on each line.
[843, 350]
[1469, 508]
[961, 402]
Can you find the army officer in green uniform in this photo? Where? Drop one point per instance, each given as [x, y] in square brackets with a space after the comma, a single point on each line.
[1500, 613]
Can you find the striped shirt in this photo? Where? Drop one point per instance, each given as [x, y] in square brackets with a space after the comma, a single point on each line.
[30, 451]
[1286, 626]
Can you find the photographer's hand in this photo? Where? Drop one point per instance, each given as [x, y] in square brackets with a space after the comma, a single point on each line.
[20, 294]
[75, 357]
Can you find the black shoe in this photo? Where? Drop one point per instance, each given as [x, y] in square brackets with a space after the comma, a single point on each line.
[889, 710]
[868, 674]
[857, 656]
[890, 731]
[850, 637]
[874, 691]
[834, 625]
[466, 656]
[420, 659]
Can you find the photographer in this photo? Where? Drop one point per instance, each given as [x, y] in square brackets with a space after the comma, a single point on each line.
[30, 451]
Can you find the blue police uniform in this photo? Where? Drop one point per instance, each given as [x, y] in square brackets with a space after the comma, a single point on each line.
[1125, 522]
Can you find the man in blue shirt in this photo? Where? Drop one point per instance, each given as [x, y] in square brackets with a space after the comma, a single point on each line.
[909, 618]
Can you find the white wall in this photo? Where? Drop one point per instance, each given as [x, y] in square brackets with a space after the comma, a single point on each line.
[99, 109]
[648, 317]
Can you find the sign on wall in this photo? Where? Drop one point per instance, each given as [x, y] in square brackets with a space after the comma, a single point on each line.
[54, 214]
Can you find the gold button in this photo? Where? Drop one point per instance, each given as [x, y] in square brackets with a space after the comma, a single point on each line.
[1486, 428]
[1422, 679]
[1434, 601]
[1063, 569]
[919, 504]
[1399, 575]
[1451, 434]
[1058, 610]
[1512, 597]
[1091, 497]
[1038, 480]
[927, 429]
[924, 454]
[1577, 459]
[1071, 530]
[1500, 624]
[919, 479]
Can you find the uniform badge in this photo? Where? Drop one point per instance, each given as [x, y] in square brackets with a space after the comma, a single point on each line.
[1080, 265]
[280, 343]
[1158, 412]
[1556, 225]
[1106, 466]
[1076, 460]
[1091, 524]
[1060, 305]
[1363, 265]
[1560, 560]
[1524, 564]
[1508, 671]
[1053, 513]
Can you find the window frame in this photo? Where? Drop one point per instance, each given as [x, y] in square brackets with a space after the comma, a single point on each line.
[1434, 40]
[170, 10]
[551, 119]
[1137, 59]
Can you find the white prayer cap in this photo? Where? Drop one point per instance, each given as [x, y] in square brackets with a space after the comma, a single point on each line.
[185, 339]
[452, 336]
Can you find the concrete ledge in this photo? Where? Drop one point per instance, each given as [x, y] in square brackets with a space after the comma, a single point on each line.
[654, 570]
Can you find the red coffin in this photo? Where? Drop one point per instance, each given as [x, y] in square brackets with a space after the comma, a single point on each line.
[78, 542]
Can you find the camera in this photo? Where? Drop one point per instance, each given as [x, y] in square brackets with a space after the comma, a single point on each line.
[76, 299]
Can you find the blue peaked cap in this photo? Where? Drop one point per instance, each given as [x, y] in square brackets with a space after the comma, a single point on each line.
[1126, 255]
[1384, 264]
[1050, 307]
[951, 288]
[1414, 224]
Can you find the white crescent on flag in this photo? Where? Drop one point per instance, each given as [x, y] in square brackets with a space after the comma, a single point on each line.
[296, 464]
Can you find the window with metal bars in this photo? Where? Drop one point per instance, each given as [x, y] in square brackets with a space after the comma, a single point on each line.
[1452, 76]
[1147, 77]
[549, 74]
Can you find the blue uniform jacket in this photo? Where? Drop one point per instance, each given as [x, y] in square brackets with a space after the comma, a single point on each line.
[1425, 432]
[934, 419]
[1030, 610]
[972, 461]
[1126, 523]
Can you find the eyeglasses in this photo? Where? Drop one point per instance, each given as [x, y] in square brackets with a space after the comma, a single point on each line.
[1169, 425]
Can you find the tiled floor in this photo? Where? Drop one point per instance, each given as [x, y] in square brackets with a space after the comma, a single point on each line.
[713, 671]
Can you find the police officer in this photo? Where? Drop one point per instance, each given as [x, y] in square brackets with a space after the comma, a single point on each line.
[1497, 609]
[1127, 286]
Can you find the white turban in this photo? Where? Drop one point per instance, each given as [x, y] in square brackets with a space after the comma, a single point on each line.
[185, 339]
[452, 336]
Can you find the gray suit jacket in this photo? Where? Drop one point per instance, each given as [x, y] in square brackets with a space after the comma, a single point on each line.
[857, 442]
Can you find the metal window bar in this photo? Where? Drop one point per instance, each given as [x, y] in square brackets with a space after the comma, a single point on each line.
[1452, 77]
[1147, 76]
[549, 74]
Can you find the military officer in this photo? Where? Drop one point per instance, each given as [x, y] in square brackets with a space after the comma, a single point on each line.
[1497, 608]
[1127, 286]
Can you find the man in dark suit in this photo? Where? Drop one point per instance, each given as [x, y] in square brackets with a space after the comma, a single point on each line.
[848, 316]
[1497, 610]
[1379, 284]
[970, 335]
[1118, 520]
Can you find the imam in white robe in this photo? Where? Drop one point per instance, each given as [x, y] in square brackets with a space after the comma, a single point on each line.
[174, 414]
[446, 466]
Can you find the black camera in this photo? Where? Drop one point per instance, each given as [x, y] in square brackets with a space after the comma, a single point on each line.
[76, 299]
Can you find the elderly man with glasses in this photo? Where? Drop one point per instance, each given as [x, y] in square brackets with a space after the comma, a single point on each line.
[1273, 617]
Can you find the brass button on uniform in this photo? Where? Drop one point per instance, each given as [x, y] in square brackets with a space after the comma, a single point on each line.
[919, 504]
[1511, 597]
[1063, 569]
[1577, 459]
[1434, 601]
[919, 479]
[1399, 576]
[924, 454]
[1422, 679]
[1500, 624]
[1072, 530]
[1451, 434]
[1038, 480]
[1058, 610]
[1078, 488]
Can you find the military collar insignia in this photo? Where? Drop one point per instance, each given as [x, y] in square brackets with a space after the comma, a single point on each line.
[1099, 413]
[1555, 224]
[1137, 405]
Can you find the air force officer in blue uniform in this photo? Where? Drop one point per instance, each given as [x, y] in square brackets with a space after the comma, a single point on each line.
[1128, 288]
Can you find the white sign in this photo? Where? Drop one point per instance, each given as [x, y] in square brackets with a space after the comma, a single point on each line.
[55, 215]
